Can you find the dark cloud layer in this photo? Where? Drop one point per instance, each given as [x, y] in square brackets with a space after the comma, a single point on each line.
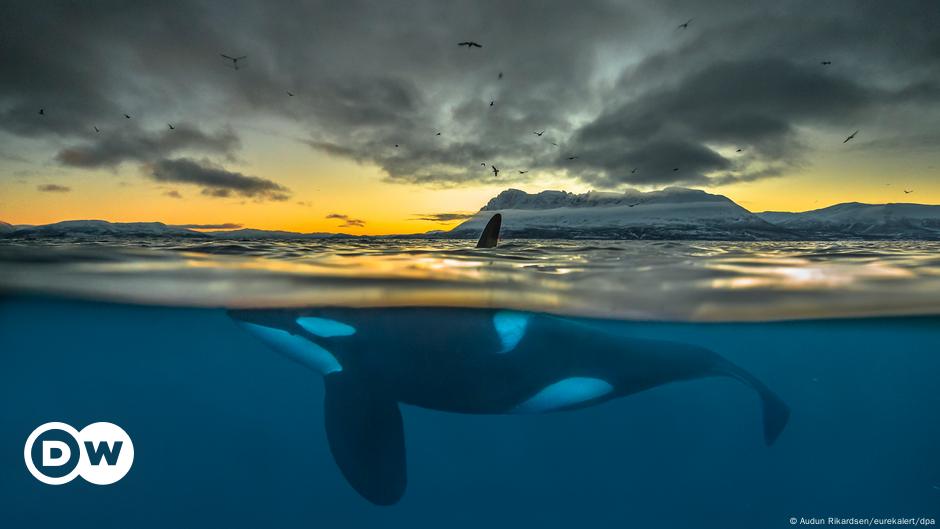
[347, 221]
[113, 147]
[753, 104]
[442, 217]
[216, 181]
[616, 84]
[53, 188]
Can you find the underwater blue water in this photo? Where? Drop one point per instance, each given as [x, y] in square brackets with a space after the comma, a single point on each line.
[228, 433]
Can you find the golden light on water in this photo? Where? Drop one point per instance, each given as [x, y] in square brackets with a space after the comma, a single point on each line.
[804, 274]
[632, 280]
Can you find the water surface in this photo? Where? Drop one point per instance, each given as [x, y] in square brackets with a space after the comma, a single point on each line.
[658, 280]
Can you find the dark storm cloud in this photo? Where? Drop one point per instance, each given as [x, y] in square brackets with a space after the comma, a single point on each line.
[755, 82]
[679, 127]
[84, 63]
[113, 147]
[348, 222]
[216, 181]
[53, 188]
[614, 83]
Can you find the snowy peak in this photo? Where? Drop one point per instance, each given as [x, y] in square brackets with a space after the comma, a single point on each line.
[103, 227]
[857, 211]
[855, 219]
[518, 199]
[671, 213]
[680, 213]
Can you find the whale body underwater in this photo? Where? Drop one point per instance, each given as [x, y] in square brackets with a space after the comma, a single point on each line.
[466, 360]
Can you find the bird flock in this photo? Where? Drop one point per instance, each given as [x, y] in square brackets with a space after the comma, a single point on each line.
[234, 64]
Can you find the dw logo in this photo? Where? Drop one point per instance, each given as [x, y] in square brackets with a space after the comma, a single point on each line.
[102, 453]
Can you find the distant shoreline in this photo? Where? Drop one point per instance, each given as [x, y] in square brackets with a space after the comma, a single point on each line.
[669, 214]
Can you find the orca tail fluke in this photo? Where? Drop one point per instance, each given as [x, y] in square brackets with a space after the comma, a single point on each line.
[776, 412]
[490, 236]
[366, 438]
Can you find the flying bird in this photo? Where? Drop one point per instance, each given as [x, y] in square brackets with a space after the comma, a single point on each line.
[684, 25]
[171, 126]
[127, 116]
[539, 134]
[825, 63]
[289, 93]
[470, 44]
[96, 130]
[233, 59]
[553, 143]
[42, 112]
[906, 192]
[572, 157]
[523, 172]
[495, 170]
[500, 76]
[483, 164]
[633, 171]
[492, 103]
[675, 168]
[850, 137]
[739, 150]
[438, 134]
[396, 145]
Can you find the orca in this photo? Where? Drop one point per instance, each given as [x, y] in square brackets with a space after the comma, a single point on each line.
[465, 360]
[472, 361]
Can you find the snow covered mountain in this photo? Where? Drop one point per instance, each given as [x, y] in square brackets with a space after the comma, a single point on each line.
[671, 213]
[867, 221]
[78, 228]
[99, 228]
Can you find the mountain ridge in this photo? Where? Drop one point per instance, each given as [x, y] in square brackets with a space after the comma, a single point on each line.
[670, 213]
[897, 220]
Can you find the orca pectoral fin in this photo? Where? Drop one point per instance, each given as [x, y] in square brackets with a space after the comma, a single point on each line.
[366, 438]
[776, 415]
[776, 412]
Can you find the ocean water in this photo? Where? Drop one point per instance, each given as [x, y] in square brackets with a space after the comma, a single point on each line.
[228, 432]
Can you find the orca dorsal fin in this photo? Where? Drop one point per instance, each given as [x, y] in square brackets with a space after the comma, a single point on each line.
[490, 235]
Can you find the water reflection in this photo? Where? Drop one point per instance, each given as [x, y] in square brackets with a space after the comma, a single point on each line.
[621, 279]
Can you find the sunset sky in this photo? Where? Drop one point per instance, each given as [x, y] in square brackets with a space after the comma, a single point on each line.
[618, 84]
